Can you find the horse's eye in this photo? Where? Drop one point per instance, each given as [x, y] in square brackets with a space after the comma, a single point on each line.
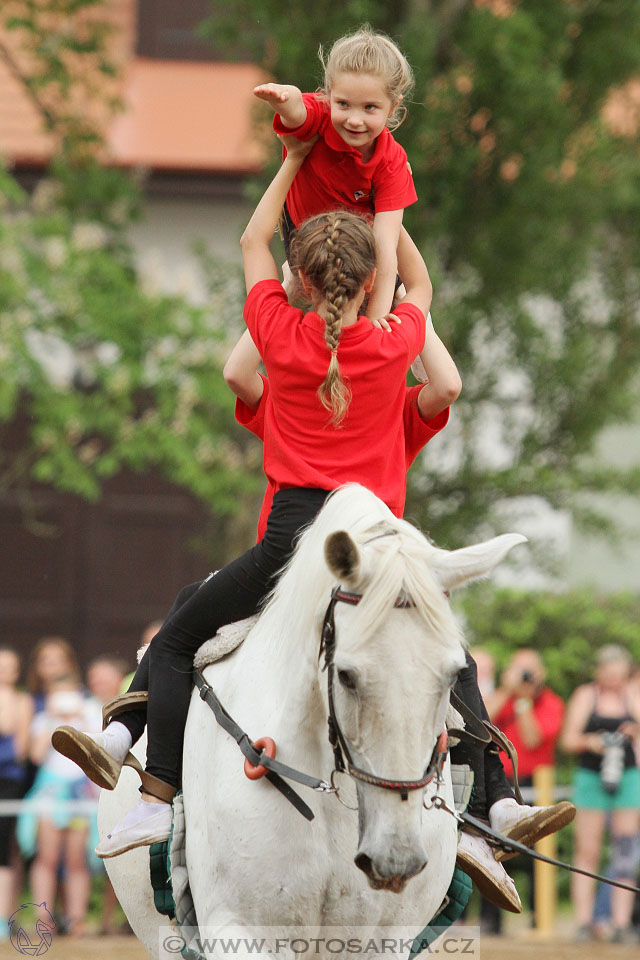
[347, 679]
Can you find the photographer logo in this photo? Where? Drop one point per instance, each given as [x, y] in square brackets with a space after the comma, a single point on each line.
[31, 929]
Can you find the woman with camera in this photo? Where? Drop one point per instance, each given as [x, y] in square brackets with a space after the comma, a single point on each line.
[602, 723]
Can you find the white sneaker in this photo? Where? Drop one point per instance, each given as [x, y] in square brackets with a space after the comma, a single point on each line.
[527, 824]
[99, 755]
[475, 857]
[147, 823]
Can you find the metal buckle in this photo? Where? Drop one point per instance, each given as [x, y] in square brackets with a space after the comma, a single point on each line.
[336, 790]
[324, 787]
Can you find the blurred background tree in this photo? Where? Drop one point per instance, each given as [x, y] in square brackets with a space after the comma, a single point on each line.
[101, 372]
[522, 136]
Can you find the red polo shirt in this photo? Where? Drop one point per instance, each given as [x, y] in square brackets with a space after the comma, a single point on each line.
[548, 710]
[334, 174]
[301, 447]
[417, 433]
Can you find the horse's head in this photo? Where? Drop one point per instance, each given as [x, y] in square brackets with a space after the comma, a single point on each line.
[393, 668]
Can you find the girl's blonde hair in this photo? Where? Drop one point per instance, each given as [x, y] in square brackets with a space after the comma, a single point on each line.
[336, 253]
[369, 52]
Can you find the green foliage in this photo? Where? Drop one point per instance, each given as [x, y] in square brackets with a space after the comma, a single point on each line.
[100, 372]
[567, 629]
[527, 216]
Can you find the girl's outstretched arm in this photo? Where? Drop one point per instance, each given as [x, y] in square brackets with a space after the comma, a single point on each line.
[255, 241]
[286, 100]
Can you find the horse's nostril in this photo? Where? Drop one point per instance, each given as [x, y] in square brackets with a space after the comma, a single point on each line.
[364, 863]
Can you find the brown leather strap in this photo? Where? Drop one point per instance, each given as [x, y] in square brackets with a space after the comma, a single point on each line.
[150, 784]
[502, 742]
[132, 700]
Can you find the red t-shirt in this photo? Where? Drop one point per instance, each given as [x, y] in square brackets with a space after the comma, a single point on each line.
[548, 710]
[335, 176]
[301, 447]
[417, 433]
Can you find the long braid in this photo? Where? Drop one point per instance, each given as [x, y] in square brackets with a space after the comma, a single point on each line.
[333, 392]
[336, 253]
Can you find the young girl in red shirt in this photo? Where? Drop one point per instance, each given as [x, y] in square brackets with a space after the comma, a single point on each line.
[356, 164]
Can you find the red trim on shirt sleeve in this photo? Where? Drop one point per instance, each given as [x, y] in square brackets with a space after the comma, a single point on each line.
[316, 111]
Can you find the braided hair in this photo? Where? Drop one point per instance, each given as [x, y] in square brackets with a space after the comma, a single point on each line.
[336, 253]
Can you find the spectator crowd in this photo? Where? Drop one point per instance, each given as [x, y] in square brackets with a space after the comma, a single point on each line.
[47, 842]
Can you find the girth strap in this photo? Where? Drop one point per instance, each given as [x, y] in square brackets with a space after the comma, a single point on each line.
[506, 843]
[275, 769]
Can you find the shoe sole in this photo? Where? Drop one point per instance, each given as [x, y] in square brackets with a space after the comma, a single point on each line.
[160, 838]
[98, 765]
[489, 890]
[536, 827]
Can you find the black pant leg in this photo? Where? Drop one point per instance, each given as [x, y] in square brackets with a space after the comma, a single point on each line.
[136, 720]
[234, 593]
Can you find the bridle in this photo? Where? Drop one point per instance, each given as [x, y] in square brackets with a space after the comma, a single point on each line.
[279, 773]
[341, 753]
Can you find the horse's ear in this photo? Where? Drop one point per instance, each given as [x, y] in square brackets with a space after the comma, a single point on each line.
[455, 567]
[342, 555]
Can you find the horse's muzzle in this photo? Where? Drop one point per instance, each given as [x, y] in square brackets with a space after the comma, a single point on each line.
[381, 879]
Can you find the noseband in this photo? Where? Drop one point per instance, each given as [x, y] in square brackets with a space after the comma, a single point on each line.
[337, 739]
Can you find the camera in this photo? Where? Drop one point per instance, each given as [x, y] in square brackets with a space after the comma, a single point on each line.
[612, 766]
[527, 676]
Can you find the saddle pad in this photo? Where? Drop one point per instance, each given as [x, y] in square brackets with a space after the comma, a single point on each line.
[226, 639]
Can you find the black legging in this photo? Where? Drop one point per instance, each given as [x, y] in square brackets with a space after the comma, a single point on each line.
[234, 593]
[490, 782]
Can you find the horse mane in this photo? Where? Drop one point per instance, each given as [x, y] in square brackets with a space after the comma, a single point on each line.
[397, 559]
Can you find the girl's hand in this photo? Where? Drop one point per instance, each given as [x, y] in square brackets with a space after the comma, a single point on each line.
[275, 93]
[297, 149]
[383, 322]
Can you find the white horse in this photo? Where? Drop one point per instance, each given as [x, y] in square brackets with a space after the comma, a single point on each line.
[255, 863]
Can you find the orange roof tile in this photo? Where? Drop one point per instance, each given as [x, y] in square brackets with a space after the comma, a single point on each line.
[180, 115]
[188, 115]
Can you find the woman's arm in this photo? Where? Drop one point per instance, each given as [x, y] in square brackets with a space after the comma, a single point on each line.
[241, 371]
[255, 241]
[574, 739]
[24, 718]
[444, 384]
